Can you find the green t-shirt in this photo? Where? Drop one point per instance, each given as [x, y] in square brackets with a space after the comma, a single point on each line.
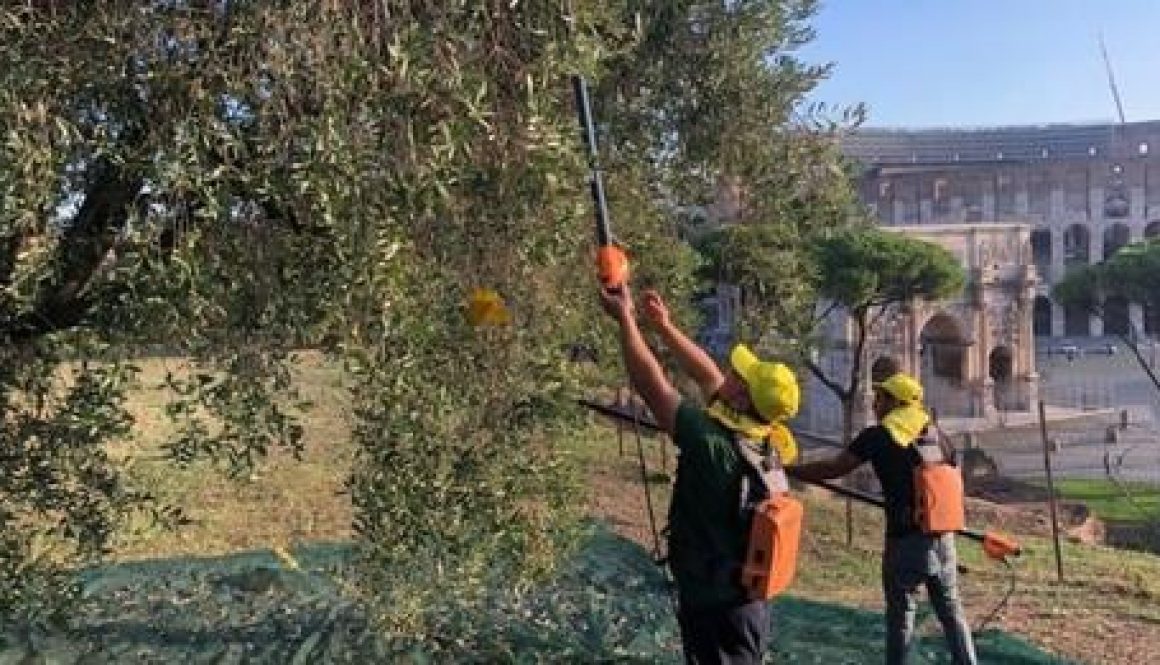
[706, 535]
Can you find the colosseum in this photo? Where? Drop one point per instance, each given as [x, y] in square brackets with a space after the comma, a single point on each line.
[1083, 190]
[1019, 206]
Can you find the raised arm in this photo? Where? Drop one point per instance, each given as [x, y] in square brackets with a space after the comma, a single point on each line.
[644, 371]
[692, 358]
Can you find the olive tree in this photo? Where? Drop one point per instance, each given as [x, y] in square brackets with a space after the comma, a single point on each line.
[233, 181]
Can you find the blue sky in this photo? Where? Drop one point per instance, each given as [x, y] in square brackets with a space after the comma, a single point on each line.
[931, 63]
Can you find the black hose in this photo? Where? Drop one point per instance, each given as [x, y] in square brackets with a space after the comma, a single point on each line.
[1006, 597]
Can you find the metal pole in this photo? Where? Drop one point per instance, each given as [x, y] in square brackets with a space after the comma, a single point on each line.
[849, 522]
[588, 132]
[1009, 547]
[1050, 492]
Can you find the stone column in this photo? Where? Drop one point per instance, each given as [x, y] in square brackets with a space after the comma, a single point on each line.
[974, 356]
[1136, 317]
[1056, 205]
[1023, 202]
[989, 214]
[1096, 244]
[1056, 269]
[1057, 320]
[1137, 202]
[911, 363]
[1025, 347]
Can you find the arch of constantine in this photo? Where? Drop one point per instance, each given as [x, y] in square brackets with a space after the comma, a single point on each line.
[975, 355]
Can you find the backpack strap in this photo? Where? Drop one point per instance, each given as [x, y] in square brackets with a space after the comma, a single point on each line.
[942, 440]
[761, 477]
[944, 443]
[761, 458]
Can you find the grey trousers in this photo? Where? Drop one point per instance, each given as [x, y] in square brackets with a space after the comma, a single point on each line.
[918, 560]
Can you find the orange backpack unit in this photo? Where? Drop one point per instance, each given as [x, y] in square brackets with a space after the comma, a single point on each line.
[775, 524]
[938, 489]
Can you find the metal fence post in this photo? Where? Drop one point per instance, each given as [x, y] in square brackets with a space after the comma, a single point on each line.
[1050, 492]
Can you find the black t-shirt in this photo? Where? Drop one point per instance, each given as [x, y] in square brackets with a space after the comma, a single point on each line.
[894, 466]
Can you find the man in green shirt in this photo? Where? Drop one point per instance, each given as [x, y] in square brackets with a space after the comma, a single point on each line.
[707, 536]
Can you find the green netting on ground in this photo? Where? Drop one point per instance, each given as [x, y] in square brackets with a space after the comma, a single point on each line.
[608, 605]
[809, 632]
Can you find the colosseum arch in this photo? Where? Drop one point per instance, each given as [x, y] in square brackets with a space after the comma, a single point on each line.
[1077, 245]
[1116, 317]
[1076, 321]
[1115, 236]
[1001, 369]
[1041, 322]
[942, 355]
[1151, 321]
[1041, 249]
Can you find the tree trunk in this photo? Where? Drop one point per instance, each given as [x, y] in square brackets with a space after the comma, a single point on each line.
[1135, 347]
[852, 393]
[847, 437]
[847, 419]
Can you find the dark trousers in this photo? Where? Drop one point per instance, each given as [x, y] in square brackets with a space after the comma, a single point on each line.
[919, 560]
[730, 635]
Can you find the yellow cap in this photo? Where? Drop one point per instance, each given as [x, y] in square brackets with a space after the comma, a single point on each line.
[902, 387]
[773, 388]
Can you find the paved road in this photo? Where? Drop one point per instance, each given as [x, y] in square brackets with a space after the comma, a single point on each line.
[1136, 457]
[1115, 382]
[1098, 382]
[1104, 384]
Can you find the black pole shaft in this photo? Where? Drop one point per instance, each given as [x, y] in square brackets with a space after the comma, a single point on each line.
[854, 494]
[588, 132]
[1050, 492]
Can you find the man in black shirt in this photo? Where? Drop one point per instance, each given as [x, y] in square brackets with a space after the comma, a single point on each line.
[912, 558]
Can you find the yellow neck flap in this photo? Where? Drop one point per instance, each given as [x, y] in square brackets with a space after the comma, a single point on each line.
[905, 423]
[747, 427]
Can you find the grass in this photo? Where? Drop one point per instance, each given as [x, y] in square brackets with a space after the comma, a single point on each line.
[1109, 500]
[1107, 610]
[286, 501]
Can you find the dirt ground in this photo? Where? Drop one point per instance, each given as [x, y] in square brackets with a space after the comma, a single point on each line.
[1087, 619]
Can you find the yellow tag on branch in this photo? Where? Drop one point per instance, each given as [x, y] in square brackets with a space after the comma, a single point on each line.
[486, 308]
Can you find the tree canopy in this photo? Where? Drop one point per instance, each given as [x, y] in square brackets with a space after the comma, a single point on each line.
[867, 272]
[864, 268]
[1132, 273]
[232, 182]
[792, 283]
